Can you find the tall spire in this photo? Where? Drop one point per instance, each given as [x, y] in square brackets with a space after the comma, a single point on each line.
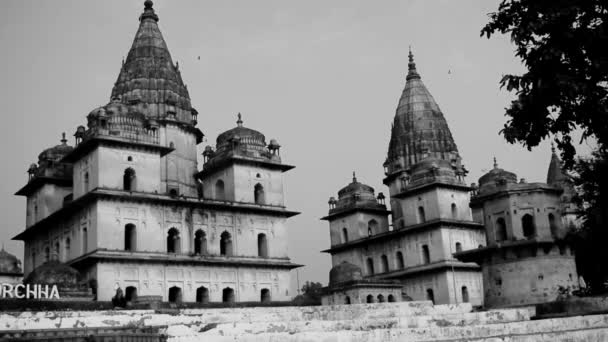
[419, 128]
[148, 11]
[354, 177]
[148, 75]
[555, 173]
[411, 67]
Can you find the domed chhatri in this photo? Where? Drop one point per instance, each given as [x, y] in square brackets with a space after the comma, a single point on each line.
[54, 273]
[70, 283]
[356, 195]
[242, 134]
[496, 177]
[242, 142]
[10, 268]
[130, 178]
[344, 272]
[9, 264]
[55, 153]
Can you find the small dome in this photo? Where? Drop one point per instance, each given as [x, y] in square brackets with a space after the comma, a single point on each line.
[241, 133]
[497, 175]
[54, 273]
[344, 272]
[56, 152]
[9, 263]
[356, 187]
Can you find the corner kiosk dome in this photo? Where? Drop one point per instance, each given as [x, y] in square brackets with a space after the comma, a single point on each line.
[56, 152]
[241, 134]
[54, 273]
[344, 272]
[9, 264]
[496, 176]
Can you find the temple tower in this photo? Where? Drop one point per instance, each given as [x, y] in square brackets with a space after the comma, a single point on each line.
[430, 200]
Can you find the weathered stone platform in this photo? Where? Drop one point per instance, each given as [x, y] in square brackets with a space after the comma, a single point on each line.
[404, 321]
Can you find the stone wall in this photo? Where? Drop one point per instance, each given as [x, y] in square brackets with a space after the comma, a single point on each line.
[530, 280]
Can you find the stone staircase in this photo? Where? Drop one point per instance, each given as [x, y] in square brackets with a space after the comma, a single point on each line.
[405, 321]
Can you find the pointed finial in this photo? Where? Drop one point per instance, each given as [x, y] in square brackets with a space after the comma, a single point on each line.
[411, 66]
[148, 11]
[63, 139]
[354, 177]
[239, 122]
[495, 163]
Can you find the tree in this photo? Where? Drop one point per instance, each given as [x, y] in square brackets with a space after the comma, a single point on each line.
[562, 43]
[590, 241]
[311, 294]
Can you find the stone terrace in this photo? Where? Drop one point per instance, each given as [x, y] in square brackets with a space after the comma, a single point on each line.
[405, 321]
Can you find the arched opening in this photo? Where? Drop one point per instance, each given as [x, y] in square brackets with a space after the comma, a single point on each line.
[430, 295]
[344, 235]
[426, 255]
[391, 298]
[384, 263]
[128, 180]
[228, 295]
[458, 247]
[202, 295]
[372, 227]
[56, 250]
[370, 299]
[66, 248]
[219, 190]
[226, 244]
[173, 241]
[85, 240]
[175, 294]
[86, 181]
[454, 211]
[400, 262]
[421, 215]
[380, 298]
[465, 294]
[200, 242]
[500, 230]
[258, 194]
[130, 293]
[262, 246]
[130, 237]
[347, 300]
[553, 226]
[265, 296]
[369, 263]
[527, 224]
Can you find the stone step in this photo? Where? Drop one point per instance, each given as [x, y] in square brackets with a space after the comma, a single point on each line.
[248, 315]
[538, 330]
[580, 335]
[439, 320]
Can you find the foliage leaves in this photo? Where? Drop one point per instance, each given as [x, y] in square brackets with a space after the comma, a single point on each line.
[563, 45]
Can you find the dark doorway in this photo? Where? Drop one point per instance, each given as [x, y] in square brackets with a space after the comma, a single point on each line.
[265, 296]
[175, 294]
[228, 295]
[130, 293]
[202, 295]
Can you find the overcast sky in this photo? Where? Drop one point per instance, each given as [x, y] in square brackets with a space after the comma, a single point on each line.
[322, 77]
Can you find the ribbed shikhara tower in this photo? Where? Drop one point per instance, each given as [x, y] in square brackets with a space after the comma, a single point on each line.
[430, 201]
[431, 217]
[128, 207]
